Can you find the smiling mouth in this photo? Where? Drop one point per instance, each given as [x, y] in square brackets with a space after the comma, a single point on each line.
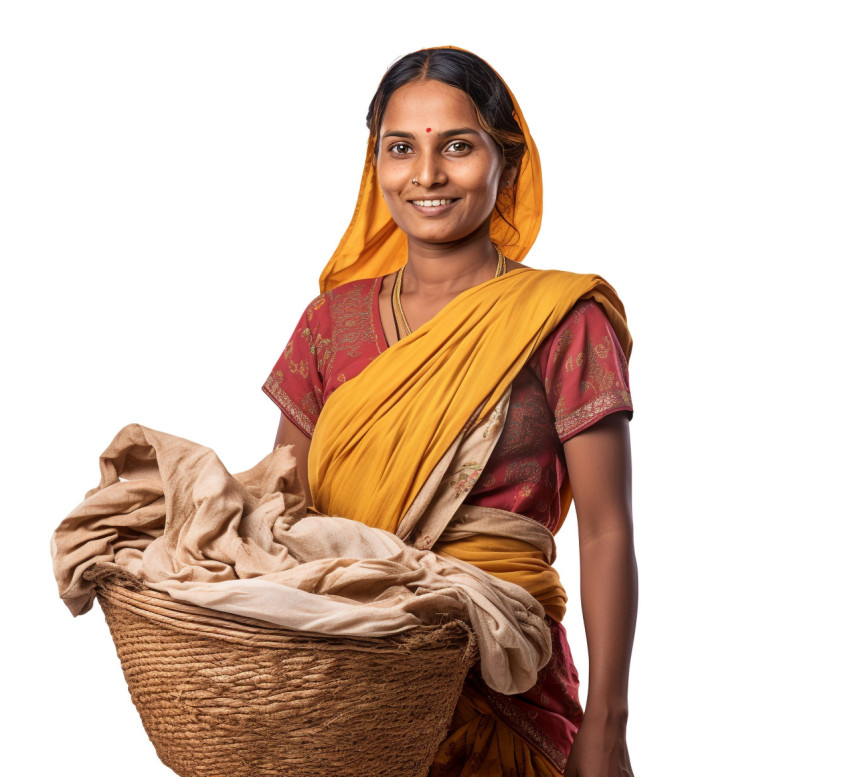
[433, 203]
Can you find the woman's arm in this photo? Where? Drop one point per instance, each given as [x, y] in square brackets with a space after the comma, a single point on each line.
[599, 468]
[289, 434]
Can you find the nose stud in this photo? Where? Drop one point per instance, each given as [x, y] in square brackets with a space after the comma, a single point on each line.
[415, 182]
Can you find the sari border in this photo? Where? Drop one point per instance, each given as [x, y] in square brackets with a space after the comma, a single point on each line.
[275, 392]
[532, 735]
[590, 412]
[377, 325]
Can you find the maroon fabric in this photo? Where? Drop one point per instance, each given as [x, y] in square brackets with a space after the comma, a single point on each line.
[577, 376]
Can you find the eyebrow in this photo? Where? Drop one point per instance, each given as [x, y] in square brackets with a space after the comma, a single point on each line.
[446, 134]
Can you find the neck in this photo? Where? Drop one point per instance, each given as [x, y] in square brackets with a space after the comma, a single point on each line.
[437, 270]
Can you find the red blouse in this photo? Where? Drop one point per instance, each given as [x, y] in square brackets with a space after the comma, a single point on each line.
[576, 377]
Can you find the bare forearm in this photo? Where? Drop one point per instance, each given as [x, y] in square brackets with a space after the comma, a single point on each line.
[289, 434]
[609, 593]
[599, 463]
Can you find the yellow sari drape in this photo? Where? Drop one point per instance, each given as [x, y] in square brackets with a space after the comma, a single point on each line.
[380, 434]
[516, 562]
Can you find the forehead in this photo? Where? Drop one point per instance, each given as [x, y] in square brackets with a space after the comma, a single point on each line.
[429, 104]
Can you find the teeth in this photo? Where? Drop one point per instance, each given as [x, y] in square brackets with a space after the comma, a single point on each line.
[430, 203]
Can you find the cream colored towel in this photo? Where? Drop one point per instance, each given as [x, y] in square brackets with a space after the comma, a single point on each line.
[169, 512]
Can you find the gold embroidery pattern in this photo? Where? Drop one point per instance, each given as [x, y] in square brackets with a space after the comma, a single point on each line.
[310, 405]
[376, 286]
[509, 713]
[557, 670]
[592, 411]
[523, 471]
[274, 389]
[596, 377]
[604, 390]
[337, 321]
[352, 324]
[301, 368]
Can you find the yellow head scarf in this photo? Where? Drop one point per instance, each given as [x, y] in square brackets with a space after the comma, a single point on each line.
[373, 245]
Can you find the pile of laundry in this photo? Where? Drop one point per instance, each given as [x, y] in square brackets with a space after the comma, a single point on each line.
[168, 512]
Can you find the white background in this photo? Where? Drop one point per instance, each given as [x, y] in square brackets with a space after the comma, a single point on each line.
[173, 177]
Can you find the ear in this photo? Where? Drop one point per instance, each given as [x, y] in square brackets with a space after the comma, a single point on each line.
[509, 176]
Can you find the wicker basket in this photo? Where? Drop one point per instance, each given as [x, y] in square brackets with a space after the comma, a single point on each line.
[224, 695]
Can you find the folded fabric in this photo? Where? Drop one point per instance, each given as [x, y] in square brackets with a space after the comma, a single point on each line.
[168, 511]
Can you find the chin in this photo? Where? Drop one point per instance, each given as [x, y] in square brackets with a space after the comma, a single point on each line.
[436, 233]
[436, 239]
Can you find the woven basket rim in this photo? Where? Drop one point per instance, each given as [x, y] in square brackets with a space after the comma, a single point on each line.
[130, 593]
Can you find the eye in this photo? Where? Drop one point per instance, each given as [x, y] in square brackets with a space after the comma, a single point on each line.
[401, 149]
[458, 147]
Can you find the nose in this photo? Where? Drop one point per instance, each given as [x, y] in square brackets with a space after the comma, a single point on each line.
[429, 170]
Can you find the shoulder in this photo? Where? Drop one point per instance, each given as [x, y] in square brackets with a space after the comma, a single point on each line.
[584, 331]
[586, 313]
[353, 297]
[543, 275]
[548, 285]
[352, 290]
[593, 303]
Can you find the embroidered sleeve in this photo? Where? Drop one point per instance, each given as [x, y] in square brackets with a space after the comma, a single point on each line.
[584, 370]
[295, 384]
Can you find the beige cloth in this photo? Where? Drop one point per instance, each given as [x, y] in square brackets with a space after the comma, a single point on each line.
[168, 511]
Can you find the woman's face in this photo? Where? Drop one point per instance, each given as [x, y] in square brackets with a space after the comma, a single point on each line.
[439, 171]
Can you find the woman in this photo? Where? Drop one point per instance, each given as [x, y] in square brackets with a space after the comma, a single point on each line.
[426, 336]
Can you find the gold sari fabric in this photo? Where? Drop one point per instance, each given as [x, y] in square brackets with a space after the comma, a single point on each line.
[381, 434]
[516, 562]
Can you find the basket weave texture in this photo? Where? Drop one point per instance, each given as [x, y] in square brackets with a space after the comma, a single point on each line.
[221, 694]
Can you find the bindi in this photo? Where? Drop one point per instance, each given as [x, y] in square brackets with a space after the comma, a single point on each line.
[427, 129]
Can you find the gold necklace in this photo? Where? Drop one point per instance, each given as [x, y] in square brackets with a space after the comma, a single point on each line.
[402, 327]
